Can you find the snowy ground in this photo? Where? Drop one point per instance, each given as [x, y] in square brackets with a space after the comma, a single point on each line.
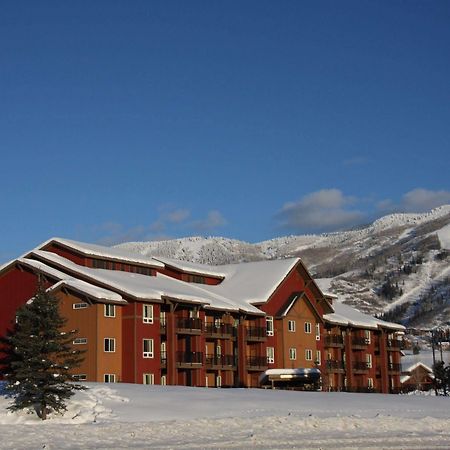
[126, 416]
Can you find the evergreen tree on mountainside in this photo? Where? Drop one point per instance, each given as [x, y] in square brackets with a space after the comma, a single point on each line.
[37, 357]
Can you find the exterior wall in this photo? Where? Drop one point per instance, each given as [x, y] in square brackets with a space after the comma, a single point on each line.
[17, 286]
[71, 255]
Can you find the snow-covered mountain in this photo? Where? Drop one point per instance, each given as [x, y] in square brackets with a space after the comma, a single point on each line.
[399, 265]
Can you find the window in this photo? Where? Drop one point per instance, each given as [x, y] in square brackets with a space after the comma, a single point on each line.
[148, 378]
[79, 377]
[109, 345]
[318, 358]
[219, 350]
[193, 314]
[308, 354]
[99, 264]
[292, 354]
[110, 310]
[80, 341]
[163, 380]
[270, 352]
[79, 305]
[317, 331]
[109, 378]
[291, 325]
[162, 318]
[367, 336]
[148, 348]
[369, 360]
[308, 327]
[163, 351]
[370, 383]
[147, 313]
[218, 381]
[269, 326]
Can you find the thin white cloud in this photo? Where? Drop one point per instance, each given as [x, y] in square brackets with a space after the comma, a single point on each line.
[212, 221]
[416, 201]
[324, 210]
[356, 161]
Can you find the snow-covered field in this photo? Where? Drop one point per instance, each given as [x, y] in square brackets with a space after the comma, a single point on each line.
[126, 416]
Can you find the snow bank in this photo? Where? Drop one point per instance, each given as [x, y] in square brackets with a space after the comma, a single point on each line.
[136, 416]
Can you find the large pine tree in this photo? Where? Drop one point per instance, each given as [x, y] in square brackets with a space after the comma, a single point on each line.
[37, 357]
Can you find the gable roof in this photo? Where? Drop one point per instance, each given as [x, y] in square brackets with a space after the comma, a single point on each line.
[144, 287]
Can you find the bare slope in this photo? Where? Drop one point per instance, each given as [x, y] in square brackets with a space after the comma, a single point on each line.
[399, 265]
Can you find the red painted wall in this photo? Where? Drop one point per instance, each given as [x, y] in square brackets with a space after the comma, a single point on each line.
[66, 253]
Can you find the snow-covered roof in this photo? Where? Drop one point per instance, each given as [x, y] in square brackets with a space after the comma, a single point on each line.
[190, 267]
[144, 287]
[252, 282]
[346, 315]
[425, 357]
[66, 280]
[103, 252]
[416, 365]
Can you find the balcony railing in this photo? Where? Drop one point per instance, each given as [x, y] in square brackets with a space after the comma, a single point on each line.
[220, 360]
[394, 367]
[189, 358]
[360, 341]
[256, 362]
[332, 340]
[393, 344]
[220, 330]
[360, 365]
[189, 325]
[335, 365]
[255, 333]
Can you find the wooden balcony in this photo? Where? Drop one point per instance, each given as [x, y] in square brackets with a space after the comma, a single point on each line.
[255, 334]
[394, 367]
[334, 340]
[220, 362]
[189, 360]
[188, 326]
[219, 331]
[335, 366]
[359, 343]
[256, 363]
[393, 345]
[360, 366]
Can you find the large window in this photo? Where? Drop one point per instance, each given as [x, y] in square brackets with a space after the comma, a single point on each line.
[291, 326]
[270, 351]
[269, 325]
[109, 345]
[147, 313]
[110, 310]
[292, 354]
[147, 348]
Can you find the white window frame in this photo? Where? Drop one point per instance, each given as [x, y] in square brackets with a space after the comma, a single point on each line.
[317, 331]
[79, 341]
[162, 318]
[109, 378]
[369, 360]
[270, 353]
[218, 350]
[218, 381]
[163, 380]
[82, 305]
[292, 354]
[148, 378]
[194, 314]
[146, 317]
[291, 326]
[370, 383]
[308, 327]
[108, 308]
[308, 354]
[269, 326]
[318, 357]
[367, 335]
[109, 345]
[150, 352]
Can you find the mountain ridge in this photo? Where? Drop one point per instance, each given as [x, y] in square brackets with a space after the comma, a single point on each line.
[397, 267]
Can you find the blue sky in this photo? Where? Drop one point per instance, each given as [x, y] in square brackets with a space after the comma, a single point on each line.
[247, 119]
